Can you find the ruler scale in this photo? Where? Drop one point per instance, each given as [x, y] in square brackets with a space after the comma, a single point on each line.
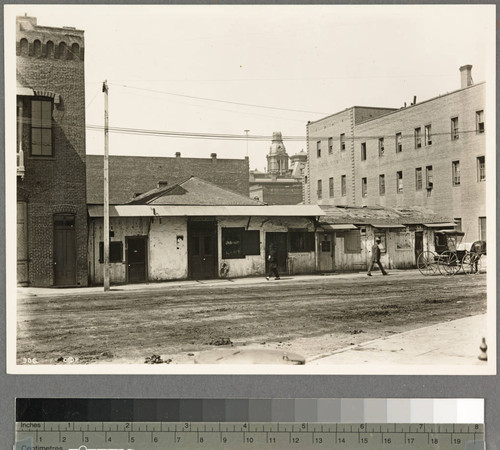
[143, 424]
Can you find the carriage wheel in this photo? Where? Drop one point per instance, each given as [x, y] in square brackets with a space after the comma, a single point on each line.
[471, 263]
[448, 263]
[426, 263]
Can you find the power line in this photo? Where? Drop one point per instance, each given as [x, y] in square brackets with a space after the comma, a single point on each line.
[229, 136]
[217, 100]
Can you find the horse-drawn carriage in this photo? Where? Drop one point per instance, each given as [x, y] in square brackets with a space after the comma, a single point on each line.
[447, 259]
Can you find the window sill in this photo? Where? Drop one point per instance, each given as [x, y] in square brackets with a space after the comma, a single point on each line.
[233, 257]
[43, 158]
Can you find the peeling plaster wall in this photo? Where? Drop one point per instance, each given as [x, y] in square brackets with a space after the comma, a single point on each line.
[253, 265]
[122, 227]
[168, 256]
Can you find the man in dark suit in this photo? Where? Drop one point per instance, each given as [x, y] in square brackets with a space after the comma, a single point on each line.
[376, 258]
[273, 263]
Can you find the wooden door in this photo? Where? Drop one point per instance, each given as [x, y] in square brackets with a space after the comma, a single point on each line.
[136, 259]
[279, 241]
[22, 244]
[64, 250]
[202, 250]
[326, 251]
[419, 244]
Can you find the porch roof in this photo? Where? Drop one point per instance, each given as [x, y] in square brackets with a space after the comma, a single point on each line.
[440, 224]
[205, 210]
[382, 225]
[338, 226]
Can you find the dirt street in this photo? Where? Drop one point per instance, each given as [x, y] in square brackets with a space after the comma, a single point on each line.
[307, 316]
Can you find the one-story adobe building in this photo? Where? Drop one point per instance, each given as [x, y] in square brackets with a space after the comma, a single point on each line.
[346, 234]
[197, 230]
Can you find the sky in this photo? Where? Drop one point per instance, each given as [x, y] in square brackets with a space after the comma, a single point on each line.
[297, 63]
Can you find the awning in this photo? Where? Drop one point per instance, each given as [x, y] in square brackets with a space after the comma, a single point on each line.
[380, 225]
[25, 91]
[338, 226]
[206, 210]
[439, 225]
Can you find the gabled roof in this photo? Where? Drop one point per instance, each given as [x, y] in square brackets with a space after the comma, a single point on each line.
[133, 175]
[378, 215]
[193, 191]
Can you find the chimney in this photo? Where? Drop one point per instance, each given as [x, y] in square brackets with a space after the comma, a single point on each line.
[162, 184]
[177, 154]
[213, 155]
[465, 76]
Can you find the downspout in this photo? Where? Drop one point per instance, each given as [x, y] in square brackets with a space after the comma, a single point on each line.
[316, 243]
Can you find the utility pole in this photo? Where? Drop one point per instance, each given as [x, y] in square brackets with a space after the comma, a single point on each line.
[106, 188]
[246, 132]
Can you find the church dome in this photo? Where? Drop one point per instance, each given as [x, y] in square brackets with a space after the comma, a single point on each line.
[277, 146]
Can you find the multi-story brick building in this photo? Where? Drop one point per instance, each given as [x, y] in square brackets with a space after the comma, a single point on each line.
[429, 154]
[51, 195]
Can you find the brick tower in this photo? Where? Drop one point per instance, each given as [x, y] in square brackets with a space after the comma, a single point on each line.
[51, 176]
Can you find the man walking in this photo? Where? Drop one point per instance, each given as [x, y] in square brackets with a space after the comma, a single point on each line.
[376, 258]
[273, 264]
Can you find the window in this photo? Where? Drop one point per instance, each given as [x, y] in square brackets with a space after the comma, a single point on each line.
[343, 186]
[318, 149]
[363, 151]
[381, 147]
[320, 189]
[428, 177]
[399, 143]
[418, 137]
[24, 47]
[381, 184]
[482, 228]
[479, 121]
[418, 178]
[238, 242]
[62, 51]
[342, 142]
[37, 48]
[305, 179]
[458, 223]
[301, 241]
[115, 252]
[399, 181]
[41, 127]
[330, 146]
[352, 241]
[364, 187]
[330, 187]
[481, 169]
[454, 128]
[403, 241]
[50, 49]
[428, 135]
[455, 167]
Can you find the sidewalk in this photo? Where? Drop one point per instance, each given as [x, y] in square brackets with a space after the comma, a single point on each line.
[26, 292]
[449, 343]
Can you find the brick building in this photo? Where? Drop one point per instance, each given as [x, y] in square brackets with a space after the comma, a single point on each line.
[430, 154]
[51, 195]
[130, 176]
[282, 183]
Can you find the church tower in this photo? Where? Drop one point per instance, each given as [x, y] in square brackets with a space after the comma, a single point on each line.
[277, 159]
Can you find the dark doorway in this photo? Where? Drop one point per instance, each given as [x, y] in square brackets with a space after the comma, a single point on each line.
[202, 250]
[419, 244]
[136, 259]
[64, 250]
[279, 241]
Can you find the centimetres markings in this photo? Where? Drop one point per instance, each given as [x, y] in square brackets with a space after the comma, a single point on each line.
[146, 435]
